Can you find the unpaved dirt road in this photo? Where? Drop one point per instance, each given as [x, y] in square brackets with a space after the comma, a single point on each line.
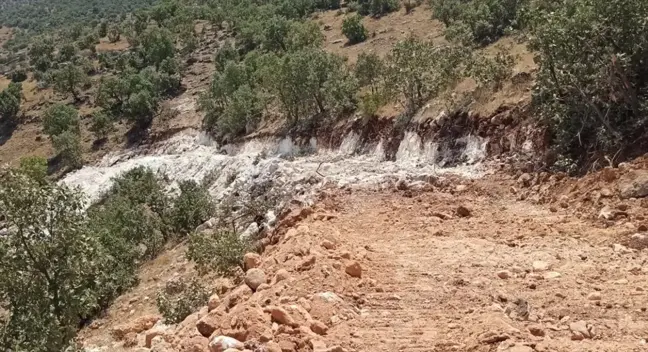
[510, 276]
[501, 275]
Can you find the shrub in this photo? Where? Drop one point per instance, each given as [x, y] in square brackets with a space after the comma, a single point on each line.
[60, 118]
[48, 240]
[593, 96]
[488, 20]
[114, 34]
[180, 298]
[369, 70]
[191, 208]
[220, 251]
[101, 125]
[10, 102]
[68, 145]
[34, 167]
[377, 8]
[141, 186]
[486, 70]
[353, 29]
[18, 75]
[68, 79]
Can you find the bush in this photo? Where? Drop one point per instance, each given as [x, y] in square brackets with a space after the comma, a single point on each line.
[492, 71]
[114, 34]
[60, 118]
[180, 298]
[376, 8]
[101, 125]
[69, 79]
[10, 102]
[488, 20]
[18, 75]
[48, 240]
[191, 208]
[220, 251]
[68, 145]
[369, 70]
[593, 96]
[353, 29]
[34, 167]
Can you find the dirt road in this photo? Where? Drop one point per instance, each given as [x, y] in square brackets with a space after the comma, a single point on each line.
[509, 272]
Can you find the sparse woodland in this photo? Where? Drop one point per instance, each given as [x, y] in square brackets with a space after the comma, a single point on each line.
[270, 63]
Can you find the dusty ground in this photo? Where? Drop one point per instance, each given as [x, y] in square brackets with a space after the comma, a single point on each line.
[512, 275]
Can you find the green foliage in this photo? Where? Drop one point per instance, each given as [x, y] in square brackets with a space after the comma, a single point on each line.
[353, 29]
[34, 167]
[68, 145]
[191, 208]
[102, 29]
[60, 118]
[180, 298]
[156, 46]
[369, 70]
[376, 8]
[101, 125]
[492, 71]
[114, 34]
[418, 71]
[592, 84]
[69, 79]
[18, 75]
[220, 251]
[487, 20]
[47, 264]
[10, 102]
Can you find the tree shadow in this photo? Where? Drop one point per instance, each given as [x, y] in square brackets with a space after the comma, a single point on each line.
[7, 129]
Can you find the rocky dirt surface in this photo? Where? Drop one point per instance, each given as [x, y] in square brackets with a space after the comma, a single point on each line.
[468, 266]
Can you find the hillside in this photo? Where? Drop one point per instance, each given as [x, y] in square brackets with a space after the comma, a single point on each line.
[316, 175]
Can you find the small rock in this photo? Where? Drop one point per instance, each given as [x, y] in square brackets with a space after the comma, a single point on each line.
[153, 333]
[619, 248]
[607, 213]
[491, 337]
[254, 278]
[345, 255]
[353, 269]
[281, 275]
[503, 274]
[318, 327]
[539, 266]
[635, 185]
[463, 211]
[536, 330]
[263, 287]
[251, 261]
[581, 330]
[552, 275]
[525, 179]
[280, 315]
[328, 245]
[213, 302]
[222, 343]
[594, 296]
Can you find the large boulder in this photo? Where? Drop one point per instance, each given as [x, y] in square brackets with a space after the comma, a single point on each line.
[254, 278]
[222, 343]
[634, 185]
[137, 326]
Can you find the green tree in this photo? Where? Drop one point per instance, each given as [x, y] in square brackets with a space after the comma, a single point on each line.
[377, 8]
[114, 34]
[191, 208]
[35, 167]
[68, 79]
[593, 93]
[101, 125]
[353, 29]
[156, 46]
[47, 264]
[369, 70]
[102, 30]
[68, 145]
[10, 102]
[60, 118]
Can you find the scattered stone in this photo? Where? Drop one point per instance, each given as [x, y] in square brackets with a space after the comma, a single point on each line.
[581, 330]
[525, 179]
[318, 327]
[516, 347]
[307, 264]
[353, 269]
[153, 333]
[539, 266]
[503, 274]
[210, 322]
[635, 185]
[251, 261]
[137, 326]
[222, 343]
[328, 245]
[607, 213]
[280, 315]
[130, 340]
[463, 211]
[440, 215]
[254, 278]
[638, 241]
[619, 248]
[491, 337]
[238, 295]
[553, 209]
[594, 296]
[537, 330]
[263, 287]
[552, 275]
[213, 302]
[281, 275]
[345, 255]
[273, 347]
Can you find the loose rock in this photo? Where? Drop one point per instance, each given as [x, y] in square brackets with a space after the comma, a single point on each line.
[503, 274]
[536, 330]
[280, 315]
[353, 269]
[222, 343]
[282, 274]
[581, 330]
[213, 302]
[539, 266]
[328, 245]
[594, 296]
[318, 327]
[251, 261]
[463, 211]
[254, 278]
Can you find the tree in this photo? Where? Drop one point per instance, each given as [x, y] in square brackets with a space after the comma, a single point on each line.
[35, 167]
[377, 8]
[47, 264]
[419, 71]
[68, 79]
[101, 125]
[369, 70]
[191, 208]
[10, 101]
[353, 29]
[60, 118]
[102, 30]
[114, 34]
[156, 45]
[593, 95]
[68, 145]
